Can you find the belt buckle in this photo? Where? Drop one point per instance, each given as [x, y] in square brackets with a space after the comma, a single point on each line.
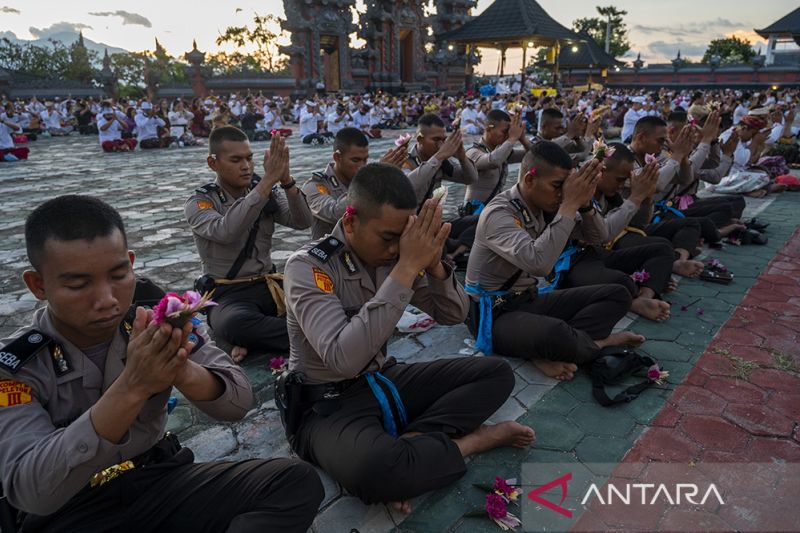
[331, 393]
[112, 472]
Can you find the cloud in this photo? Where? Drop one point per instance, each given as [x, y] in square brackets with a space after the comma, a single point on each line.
[10, 10]
[717, 25]
[670, 49]
[127, 18]
[58, 27]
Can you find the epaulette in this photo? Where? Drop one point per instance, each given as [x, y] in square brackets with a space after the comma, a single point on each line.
[326, 248]
[205, 189]
[18, 352]
[318, 175]
[481, 146]
[526, 215]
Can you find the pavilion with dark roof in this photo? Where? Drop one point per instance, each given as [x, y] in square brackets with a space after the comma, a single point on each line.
[585, 54]
[783, 40]
[513, 24]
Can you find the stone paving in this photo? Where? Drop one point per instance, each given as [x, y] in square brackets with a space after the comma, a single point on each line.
[149, 188]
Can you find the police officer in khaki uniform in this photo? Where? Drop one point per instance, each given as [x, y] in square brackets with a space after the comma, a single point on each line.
[386, 431]
[233, 220]
[326, 192]
[492, 154]
[83, 401]
[437, 156]
[525, 233]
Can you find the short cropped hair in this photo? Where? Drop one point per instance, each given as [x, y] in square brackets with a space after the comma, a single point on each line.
[222, 134]
[71, 217]
[677, 116]
[348, 137]
[621, 154]
[545, 155]
[379, 184]
[430, 119]
[497, 115]
[647, 124]
[551, 114]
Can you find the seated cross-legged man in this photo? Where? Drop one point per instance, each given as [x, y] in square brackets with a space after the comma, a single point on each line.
[618, 170]
[385, 430]
[233, 220]
[524, 233]
[645, 270]
[84, 391]
[326, 192]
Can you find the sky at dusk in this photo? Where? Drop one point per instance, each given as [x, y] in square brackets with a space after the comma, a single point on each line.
[658, 28]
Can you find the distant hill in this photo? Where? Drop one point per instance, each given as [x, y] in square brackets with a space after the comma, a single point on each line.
[65, 37]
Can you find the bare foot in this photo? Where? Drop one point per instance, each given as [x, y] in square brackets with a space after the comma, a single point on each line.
[777, 188]
[623, 338]
[487, 437]
[672, 285]
[687, 267]
[556, 369]
[402, 507]
[238, 354]
[730, 228]
[651, 308]
[760, 193]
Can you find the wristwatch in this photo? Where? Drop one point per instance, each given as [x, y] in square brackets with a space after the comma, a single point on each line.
[586, 209]
[287, 186]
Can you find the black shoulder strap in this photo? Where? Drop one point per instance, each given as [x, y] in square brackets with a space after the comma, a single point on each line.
[326, 248]
[318, 175]
[526, 215]
[213, 187]
[18, 352]
[246, 251]
[481, 146]
[510, 281]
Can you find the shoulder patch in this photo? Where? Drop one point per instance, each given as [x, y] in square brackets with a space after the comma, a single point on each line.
[204, 204]
[322, 189]
[518, 222]
[323, 280]
[14, 393]
[326, 248]
[349, 264]
[526, 215]
[23, 349]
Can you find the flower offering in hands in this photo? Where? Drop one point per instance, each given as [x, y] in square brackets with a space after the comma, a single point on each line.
[177, 310]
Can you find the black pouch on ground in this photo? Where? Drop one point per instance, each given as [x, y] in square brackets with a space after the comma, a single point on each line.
[612, 366]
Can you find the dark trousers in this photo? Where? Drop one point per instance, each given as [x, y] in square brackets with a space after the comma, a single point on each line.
[444, 399]
[317, 138]
[684, 233]
[561, 325]
[247, 316]
[462, 232]
[599, 266]
[157, 142]
[720, 209]
[180, 496]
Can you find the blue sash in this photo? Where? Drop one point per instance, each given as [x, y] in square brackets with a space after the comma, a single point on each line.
[663, 208]
[562, 265]
[388, 418]
[483, 337]
[478, 205]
